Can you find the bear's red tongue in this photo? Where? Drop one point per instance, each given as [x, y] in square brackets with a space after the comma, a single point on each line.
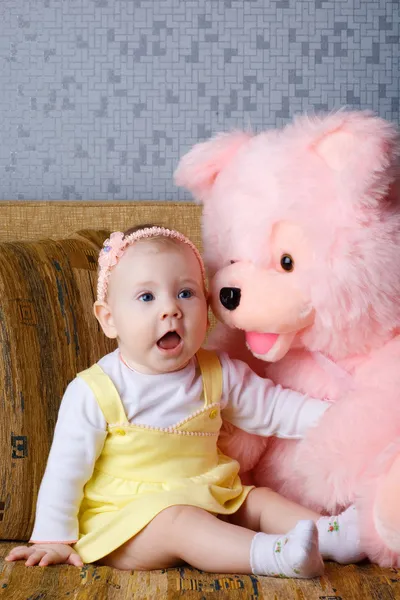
[169, 341]
[260, 343]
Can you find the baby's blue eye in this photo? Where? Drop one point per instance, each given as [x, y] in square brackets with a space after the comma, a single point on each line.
[146, 297]
[185, 294]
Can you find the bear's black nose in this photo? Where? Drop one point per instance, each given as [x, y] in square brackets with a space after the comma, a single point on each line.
[230, 297]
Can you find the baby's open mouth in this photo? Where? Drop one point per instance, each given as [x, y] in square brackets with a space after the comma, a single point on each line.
[169, 341]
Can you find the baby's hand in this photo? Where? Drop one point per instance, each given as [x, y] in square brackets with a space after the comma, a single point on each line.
[45, 554]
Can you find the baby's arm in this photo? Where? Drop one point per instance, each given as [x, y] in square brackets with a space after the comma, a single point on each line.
[78, 440]
[258, 406]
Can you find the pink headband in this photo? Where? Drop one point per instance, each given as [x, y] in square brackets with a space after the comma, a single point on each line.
[115, 246]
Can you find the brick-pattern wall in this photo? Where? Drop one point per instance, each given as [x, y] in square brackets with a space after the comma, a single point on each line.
[99, 98]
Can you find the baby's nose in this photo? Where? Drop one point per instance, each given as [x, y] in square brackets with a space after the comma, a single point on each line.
[172, 310]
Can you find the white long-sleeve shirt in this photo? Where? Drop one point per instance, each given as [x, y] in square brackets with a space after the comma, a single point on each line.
[248, 401]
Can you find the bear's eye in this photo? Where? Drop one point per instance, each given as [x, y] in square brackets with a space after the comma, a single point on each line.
[287, 263]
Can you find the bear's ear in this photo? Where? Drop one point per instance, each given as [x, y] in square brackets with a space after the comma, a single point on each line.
[362, 149]
[198, 169]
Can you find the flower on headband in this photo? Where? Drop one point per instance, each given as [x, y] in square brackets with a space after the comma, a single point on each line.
[112, 250]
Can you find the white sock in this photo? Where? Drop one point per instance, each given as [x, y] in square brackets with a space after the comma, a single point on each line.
[339, 537]
[294, 554]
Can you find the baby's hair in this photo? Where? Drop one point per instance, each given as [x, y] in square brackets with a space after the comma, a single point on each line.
[136, 228]
[139, 228]
[115, 246]
[161, 239]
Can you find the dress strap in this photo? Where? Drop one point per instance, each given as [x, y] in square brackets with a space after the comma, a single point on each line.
[211, 372]
[106, 394]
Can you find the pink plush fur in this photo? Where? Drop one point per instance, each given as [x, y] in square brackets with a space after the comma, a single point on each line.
[335, 178]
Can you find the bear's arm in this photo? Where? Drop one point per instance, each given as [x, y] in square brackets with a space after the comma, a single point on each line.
[334, 456]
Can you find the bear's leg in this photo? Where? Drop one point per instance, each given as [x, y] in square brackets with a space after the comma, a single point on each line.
[387, 507]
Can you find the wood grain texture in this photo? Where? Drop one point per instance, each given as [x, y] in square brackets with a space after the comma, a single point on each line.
[47, 334]
[17, 582]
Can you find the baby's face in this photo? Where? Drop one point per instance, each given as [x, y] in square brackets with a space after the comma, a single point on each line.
[158, 305]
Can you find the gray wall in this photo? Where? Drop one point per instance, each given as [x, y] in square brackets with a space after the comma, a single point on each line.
[99, 98]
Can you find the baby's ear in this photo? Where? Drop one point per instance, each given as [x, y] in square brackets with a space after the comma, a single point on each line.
[362, 150]
[102, 312]
[198, 169]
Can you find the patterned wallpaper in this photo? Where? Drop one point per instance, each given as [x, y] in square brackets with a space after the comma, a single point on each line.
[99, 98]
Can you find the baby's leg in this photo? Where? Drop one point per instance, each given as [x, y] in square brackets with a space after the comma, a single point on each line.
[189, 534]
[267, 511]
[186, 534]
[273, 515]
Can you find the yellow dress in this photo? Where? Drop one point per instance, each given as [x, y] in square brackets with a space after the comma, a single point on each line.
[142, 470]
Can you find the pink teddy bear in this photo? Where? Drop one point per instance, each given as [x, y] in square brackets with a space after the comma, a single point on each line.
[301, 230]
